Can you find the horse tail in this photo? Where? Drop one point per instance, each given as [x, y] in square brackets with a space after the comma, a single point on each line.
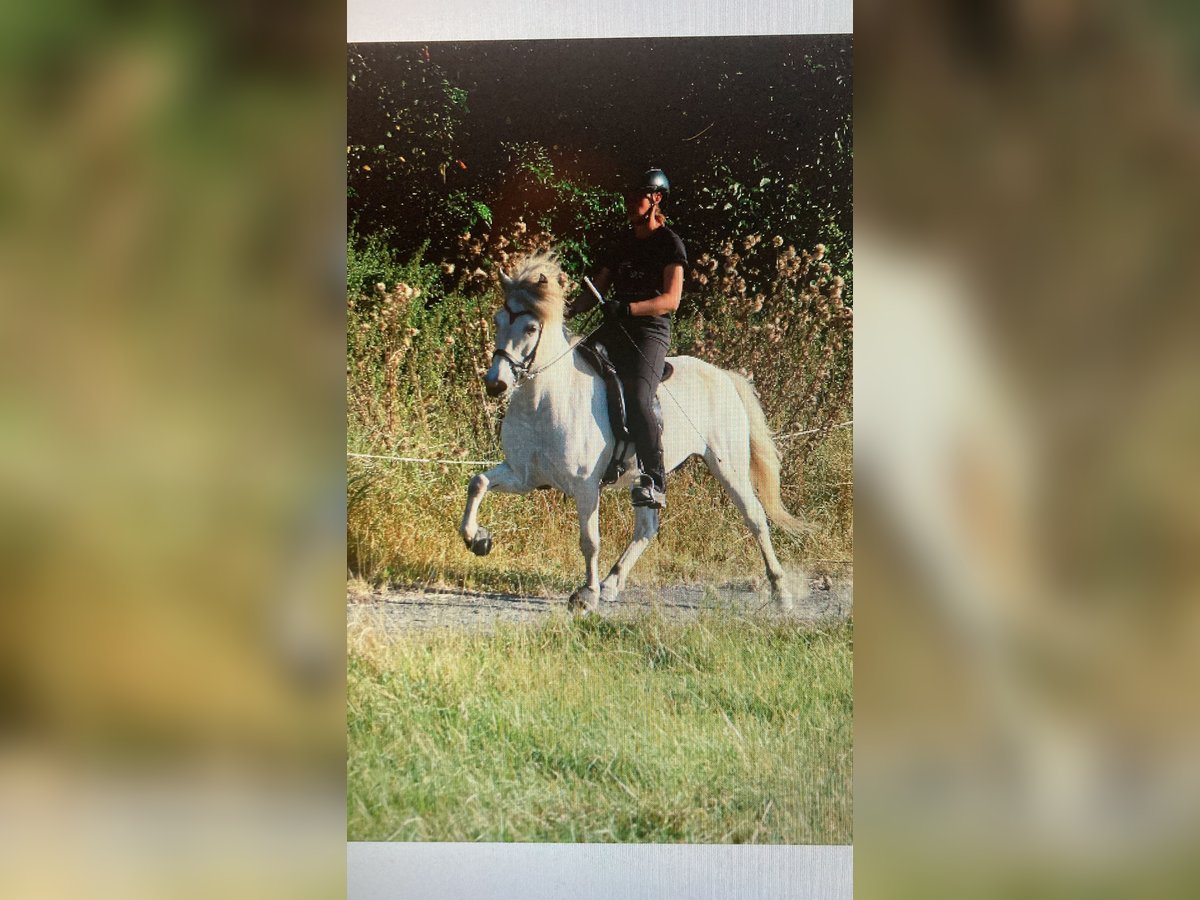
[764, 460]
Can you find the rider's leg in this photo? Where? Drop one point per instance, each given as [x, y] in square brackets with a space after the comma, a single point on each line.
[642, 374]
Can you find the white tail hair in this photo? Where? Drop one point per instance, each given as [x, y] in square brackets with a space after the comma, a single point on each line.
[764, 460]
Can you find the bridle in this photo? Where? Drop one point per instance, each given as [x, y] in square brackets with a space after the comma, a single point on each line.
[520, 366]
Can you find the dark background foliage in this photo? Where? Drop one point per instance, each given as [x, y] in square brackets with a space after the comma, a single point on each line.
[753, 132]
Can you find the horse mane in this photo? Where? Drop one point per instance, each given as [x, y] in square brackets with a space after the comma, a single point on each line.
[537, 285]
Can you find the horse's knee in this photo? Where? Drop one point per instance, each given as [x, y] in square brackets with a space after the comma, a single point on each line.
[478, 487]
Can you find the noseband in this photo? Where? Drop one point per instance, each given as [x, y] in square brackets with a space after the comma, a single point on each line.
[520, 366]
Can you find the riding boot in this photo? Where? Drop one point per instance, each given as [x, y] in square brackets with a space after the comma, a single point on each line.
[645, 493]
[650, 489]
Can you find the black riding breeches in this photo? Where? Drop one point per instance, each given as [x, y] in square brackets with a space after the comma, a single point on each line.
[639, 357]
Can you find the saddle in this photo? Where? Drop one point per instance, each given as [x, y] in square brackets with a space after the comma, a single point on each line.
[624, 455]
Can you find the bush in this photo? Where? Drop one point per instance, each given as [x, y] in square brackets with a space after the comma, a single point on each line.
[572, 209]
[783, 318]
[413, 366]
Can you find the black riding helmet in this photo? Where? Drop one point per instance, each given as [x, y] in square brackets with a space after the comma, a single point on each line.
[653, 180]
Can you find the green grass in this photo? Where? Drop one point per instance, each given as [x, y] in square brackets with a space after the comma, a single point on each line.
[724, 729]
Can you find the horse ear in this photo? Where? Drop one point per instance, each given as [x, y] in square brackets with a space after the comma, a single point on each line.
[542, 278]
[505, 281]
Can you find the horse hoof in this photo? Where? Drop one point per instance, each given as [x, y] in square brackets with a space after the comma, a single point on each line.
[583, 600]
[482, 544]
[782, 600]
[609, 593]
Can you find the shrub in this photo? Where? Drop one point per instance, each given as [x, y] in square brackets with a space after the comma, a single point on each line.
[781, 317]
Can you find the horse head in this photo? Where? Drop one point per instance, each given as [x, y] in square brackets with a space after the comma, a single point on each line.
[533, 302]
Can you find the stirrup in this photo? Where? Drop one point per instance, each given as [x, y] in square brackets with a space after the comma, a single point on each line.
[644, 493]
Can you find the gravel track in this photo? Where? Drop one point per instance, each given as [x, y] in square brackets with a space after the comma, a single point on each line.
[398, 609]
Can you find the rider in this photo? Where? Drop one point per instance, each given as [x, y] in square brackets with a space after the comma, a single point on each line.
[644, 269]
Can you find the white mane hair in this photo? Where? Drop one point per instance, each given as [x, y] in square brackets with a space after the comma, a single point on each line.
[537, 285]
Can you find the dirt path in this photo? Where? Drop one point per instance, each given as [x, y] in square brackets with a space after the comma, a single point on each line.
[819, 601]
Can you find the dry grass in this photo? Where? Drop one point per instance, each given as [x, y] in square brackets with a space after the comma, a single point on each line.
[403, 521]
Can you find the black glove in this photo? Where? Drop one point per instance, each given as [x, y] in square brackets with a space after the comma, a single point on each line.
[614, 311]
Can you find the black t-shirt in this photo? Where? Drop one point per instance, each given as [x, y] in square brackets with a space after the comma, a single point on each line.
[636, 266]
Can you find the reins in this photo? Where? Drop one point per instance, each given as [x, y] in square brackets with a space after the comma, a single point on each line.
[535, 372]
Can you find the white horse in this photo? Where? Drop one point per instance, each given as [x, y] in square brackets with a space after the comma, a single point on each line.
[556, 433]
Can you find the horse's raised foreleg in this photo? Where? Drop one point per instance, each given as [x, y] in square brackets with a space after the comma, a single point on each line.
[587, 502]
[501, 478]
[734, 475]
[644, 529]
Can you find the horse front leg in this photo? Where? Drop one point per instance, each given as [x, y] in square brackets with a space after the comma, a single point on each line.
[477, 538]
[644, 529]
[587, 502]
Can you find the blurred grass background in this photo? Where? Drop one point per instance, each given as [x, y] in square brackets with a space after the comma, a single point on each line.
[1026, 393]
[170, 269]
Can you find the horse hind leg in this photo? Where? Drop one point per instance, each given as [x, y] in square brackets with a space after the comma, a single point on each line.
[735, 479]
[477, 538]
[644, 529]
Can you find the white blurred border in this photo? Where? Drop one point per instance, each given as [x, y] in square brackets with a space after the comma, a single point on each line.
[470, 20]
[596, 871]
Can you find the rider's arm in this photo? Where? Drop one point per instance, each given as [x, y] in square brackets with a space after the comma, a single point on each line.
[585, 300]
[668, 300]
